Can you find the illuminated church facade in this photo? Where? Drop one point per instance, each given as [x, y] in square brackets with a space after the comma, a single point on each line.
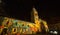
[14, 26]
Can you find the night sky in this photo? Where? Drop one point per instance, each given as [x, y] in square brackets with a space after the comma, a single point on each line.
[21, 9]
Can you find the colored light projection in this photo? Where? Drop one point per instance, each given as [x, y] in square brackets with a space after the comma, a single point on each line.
[12, 26]
[17, 26]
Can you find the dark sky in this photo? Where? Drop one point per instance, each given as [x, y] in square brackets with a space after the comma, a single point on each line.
[21, 9]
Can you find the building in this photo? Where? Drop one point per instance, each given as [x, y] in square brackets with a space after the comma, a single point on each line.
[18, 26]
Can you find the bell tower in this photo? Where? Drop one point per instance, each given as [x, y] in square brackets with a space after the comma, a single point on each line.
[35, 18]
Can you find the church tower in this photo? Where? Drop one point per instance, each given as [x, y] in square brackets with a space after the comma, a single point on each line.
[35, 18]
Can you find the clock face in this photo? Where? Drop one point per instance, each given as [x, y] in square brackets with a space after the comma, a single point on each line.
[15, 26]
